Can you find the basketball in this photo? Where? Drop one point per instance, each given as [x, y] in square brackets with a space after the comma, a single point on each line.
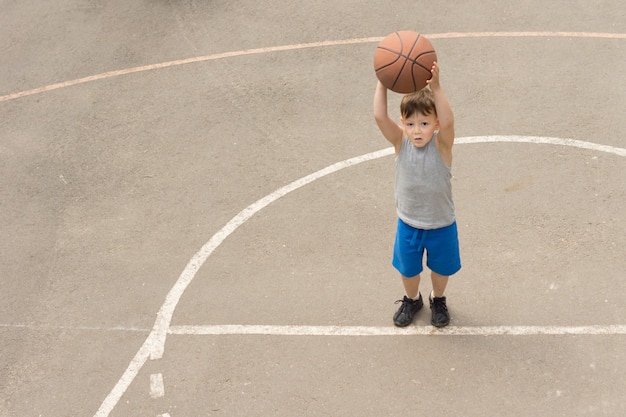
[403, 60]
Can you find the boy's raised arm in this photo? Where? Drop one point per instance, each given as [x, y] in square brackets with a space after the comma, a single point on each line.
[390, 129]
[444, 111]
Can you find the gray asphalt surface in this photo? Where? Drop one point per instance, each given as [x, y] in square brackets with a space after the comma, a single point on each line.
[109, 187]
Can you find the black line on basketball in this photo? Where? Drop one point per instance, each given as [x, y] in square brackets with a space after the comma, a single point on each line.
[405, 58]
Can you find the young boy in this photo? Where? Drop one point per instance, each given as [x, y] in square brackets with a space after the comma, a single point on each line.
[423, 192]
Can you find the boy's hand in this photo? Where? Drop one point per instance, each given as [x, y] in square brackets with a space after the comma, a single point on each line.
[434, 79]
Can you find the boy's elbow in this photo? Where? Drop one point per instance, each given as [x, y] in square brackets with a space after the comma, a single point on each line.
[447, 121]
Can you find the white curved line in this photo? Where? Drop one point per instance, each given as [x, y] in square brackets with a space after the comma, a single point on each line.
[164, 315]
[155, 343]
[544, 140]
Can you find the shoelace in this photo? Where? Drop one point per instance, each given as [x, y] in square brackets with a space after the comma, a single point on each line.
[439, 305]
[405, 302]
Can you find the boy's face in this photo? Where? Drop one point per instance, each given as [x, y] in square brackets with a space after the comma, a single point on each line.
[420, 128]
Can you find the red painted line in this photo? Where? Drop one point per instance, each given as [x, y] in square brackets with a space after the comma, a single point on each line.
[451, 35]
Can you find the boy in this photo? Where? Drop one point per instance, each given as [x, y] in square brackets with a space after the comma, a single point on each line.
[423, 192]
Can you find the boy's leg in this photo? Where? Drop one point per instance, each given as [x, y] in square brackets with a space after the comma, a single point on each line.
[443, 256]
[440, 283]
[439, 310]
[408, 253]
[411, 286]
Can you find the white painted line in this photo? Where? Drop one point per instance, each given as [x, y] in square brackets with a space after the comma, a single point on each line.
[164, 415]
[233, 329]
[543, 140]
[154, 345]
[76, 328]
[164, 315]
[157, 389]
[127, 377]
[166, 311]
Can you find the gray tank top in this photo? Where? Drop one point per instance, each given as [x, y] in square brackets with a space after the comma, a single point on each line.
[423, 189]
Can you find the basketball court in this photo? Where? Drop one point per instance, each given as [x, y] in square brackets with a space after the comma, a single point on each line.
[198, 211]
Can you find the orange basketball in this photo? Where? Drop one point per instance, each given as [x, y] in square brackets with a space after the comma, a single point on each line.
[403, 60]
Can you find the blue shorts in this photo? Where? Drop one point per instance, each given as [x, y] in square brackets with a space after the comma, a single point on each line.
[441, 245]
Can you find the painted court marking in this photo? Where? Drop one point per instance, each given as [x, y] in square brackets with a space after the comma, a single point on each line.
[231, 329]
[256, 51]
[154, 345]
[157, 390]
[156, 341]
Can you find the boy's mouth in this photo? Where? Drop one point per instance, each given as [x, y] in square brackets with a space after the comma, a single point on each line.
[417, 141]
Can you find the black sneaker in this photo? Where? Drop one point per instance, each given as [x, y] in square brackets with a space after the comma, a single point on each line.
[404, 315]
[440, 316]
